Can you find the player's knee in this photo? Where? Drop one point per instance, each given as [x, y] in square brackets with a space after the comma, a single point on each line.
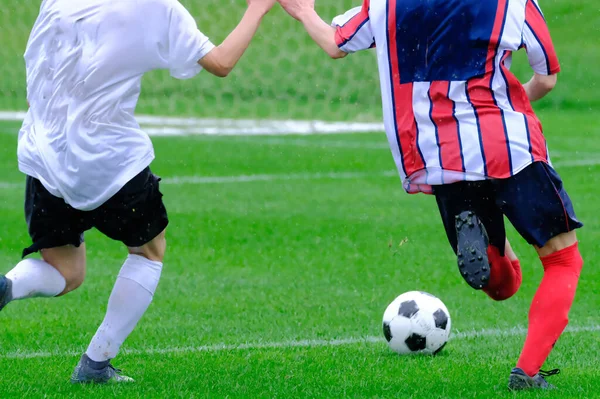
[72, 266]
[74, 276]
[154, 250]
[558, 243]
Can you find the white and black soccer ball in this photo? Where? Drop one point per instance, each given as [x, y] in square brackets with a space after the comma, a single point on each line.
[416, 322]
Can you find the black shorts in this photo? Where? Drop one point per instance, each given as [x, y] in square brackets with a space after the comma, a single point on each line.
[134, 216]
[533, 200]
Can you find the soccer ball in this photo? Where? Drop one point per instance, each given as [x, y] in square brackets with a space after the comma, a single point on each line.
[416, 322]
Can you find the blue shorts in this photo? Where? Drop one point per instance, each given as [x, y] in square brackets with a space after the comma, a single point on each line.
[533, 200]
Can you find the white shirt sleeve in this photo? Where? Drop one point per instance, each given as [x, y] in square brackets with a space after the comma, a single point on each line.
[185, 44]
[354, 31]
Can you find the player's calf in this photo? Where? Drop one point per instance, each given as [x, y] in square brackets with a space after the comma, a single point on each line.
[549, 312]
[505, 274]
[31, 278]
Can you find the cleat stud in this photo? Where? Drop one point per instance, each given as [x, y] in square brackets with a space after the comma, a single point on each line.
[473, 251]
[484, 268]
[480, 258]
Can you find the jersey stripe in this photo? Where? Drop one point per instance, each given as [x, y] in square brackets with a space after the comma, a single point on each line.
[443, 116]
[506, 56]
[534, 19]
[427, 140]
[392, 93]
[406, 126]
[468, 129]
[435, 127]
[520, 102]
[490, 116]
[346, 33]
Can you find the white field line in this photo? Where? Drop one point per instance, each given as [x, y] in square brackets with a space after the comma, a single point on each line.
[308, 343]
[200, 180]
[370, 145]
[164, 126]
[180, 180]
[8, 186]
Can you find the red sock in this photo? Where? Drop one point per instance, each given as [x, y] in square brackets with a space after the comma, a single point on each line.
[505, 277]
[549, 312]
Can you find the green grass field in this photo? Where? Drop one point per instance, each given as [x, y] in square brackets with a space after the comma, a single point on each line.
[271, 263]
[275, 286]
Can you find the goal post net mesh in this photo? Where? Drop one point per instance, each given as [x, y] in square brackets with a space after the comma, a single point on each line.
[282, 76]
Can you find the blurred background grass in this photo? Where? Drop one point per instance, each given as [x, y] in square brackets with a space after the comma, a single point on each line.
[284, 75]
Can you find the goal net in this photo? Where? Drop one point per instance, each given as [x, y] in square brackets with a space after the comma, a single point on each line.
[283, 76]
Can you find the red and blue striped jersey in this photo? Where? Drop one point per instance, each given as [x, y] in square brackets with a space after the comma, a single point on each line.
[452, 109]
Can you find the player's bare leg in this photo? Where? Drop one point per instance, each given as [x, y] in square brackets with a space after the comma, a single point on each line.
[61, 271]
[129, 300]
[549, 312]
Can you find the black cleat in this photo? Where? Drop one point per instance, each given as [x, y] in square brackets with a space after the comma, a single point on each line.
[471, 251]
[519, 381]
[5, 291]
[88, 372]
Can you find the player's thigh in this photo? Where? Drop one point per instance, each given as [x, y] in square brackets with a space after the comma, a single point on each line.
[56, 230]
[557, 243]
[153, 250]
[538, 206]
[477, 197]
[70, 261]
[136, 216]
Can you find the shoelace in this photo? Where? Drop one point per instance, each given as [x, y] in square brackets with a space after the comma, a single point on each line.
[549, 373]
[116, 370]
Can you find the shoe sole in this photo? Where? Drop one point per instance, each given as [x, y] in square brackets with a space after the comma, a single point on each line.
[6, 296]
[473, 262]
[113, 380]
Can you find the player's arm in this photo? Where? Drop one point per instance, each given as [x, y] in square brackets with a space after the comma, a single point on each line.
[321, 32]
[350, 32]
[540, 52]
[221, 60]
[539, 86]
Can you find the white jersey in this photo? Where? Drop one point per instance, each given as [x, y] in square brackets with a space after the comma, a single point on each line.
[85, 60]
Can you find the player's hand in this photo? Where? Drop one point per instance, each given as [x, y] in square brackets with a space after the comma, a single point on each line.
[264, 6]
[296, 8]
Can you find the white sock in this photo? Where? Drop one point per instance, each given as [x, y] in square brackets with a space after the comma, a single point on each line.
[131, 296]
[33, 278]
